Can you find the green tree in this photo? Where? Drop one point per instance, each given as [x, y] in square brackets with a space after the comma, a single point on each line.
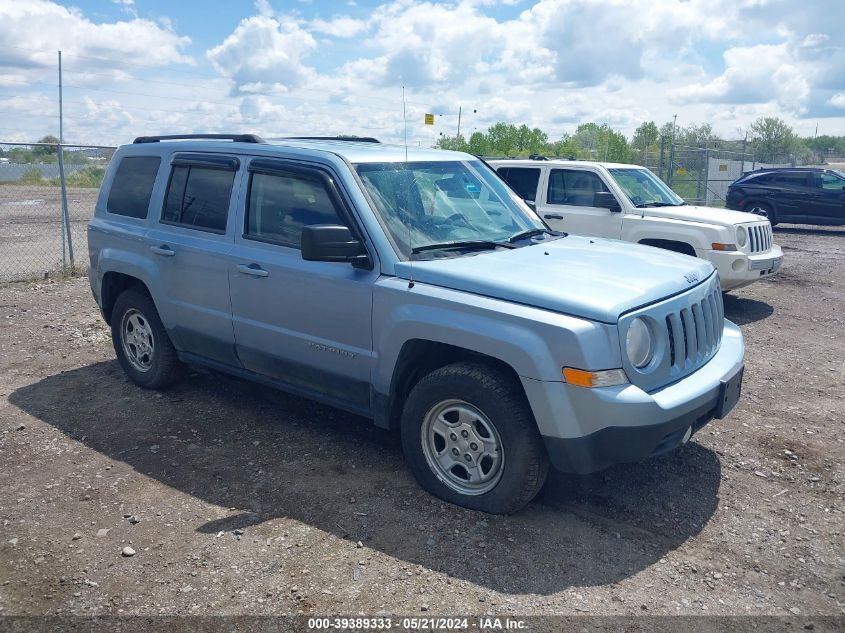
[502, 138]
[695, 135]
[40, 151]
[645, 136]
[478, 144]
[601, 142]
[774, 139]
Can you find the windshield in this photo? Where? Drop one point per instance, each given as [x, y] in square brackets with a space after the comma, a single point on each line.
[645, 189]
[436, 202]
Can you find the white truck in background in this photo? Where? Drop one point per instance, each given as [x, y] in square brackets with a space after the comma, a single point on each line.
[629, 203]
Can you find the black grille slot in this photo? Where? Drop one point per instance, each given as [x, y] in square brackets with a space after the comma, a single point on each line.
[671, 340]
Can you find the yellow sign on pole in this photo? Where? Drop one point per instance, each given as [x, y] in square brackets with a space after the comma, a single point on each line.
[429, 119]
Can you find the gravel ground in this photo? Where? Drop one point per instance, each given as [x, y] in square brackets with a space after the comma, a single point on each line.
[31, 229]
[236, 499]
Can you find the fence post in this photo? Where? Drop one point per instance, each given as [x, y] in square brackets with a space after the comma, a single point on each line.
[66, 234]
[706, 176]
[671, 163]
[662, 149]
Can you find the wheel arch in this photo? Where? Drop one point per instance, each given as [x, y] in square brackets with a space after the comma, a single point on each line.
[113, 285]
[418, 358]
[676, 246]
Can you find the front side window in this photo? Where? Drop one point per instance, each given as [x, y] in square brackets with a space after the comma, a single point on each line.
[132, 186]
[832, 182]
[427, 203]
[644, 189]
[574, 187]
[198, 197]
[281, 204]
[523, 180]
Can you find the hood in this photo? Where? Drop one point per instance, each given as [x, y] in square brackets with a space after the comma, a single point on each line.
[592, 278]
[706, 215]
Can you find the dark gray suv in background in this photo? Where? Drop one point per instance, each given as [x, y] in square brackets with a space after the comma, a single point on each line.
[801, 195]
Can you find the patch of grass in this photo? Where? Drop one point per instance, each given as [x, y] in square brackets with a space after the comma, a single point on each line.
[90, 177]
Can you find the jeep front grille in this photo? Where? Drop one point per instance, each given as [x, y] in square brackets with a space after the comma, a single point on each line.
[695, 332]
[688, 332]
[760, 237]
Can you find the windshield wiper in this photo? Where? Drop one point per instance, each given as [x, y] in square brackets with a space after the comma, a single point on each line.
[532, 232]
[472, 244]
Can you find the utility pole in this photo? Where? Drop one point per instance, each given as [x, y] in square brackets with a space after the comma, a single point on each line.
[66, 236]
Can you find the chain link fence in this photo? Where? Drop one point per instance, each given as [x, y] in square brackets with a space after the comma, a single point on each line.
[47, 196]
[701, 174]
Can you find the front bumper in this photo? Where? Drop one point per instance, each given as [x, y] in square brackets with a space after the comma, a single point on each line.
[586, 430]
[738, 269]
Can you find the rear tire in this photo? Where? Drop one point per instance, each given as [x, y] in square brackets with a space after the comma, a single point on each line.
[764, 210]
[471, 439]
[141, 343]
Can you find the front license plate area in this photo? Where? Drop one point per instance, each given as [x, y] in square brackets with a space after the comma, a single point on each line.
[729, 393]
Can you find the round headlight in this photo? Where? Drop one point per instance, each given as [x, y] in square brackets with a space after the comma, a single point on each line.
[638, 343]
[741, 236]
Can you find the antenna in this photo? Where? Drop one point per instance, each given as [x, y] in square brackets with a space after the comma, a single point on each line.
[410, 239]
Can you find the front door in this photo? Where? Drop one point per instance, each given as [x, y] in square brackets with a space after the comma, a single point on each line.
[569, 206]
[306, 324]
[829, 199]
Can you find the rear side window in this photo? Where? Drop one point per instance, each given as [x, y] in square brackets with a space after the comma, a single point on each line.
[791, 180]
[132, 186]
[198, 197]
[574, 187]
[281, 204]
[523, 180]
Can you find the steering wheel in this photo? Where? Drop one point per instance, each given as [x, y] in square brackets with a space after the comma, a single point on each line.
[637, 199]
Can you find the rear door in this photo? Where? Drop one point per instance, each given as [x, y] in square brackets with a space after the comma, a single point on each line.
[190, 244]
[307, 324]
[568, 204]
[793, 195]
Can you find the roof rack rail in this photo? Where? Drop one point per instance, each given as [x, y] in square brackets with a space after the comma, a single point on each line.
[235, 138]
[354, 139]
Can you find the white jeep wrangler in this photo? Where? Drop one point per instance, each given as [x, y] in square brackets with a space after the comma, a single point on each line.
[628, 202]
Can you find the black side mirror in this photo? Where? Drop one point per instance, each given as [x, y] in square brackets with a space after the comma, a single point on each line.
[333, 243]
[606, 200]
[531, 204]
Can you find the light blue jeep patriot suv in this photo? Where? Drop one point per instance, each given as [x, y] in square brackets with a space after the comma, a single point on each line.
[411, 286]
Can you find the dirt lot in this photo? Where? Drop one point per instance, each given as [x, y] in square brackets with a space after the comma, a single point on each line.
[241, 500]
[31, 229]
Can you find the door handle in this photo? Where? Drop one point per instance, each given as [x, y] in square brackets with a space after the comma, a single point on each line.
[553, 216]
[164, 250]
[252, 269]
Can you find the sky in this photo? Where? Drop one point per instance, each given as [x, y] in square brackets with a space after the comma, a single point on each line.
[309, 67]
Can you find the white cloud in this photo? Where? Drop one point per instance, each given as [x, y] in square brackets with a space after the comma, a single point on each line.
[837, 100]
[264, 53]
[426, 43]
[339, 26]
[32, 30]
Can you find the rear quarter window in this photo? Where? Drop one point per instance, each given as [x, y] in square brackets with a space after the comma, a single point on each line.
[132, 186]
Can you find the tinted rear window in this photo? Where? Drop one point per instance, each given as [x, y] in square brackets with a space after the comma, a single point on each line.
[523, 180]
[198, 198]
[133, 185]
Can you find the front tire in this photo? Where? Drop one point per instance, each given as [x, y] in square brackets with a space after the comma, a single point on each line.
[471, 439]
[764, 210]
[141, 343]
